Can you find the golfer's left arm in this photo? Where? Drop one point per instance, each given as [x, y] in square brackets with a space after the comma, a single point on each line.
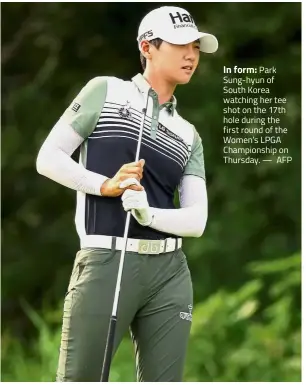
[189, 220]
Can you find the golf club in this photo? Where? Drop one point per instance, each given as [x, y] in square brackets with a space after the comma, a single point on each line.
[113, 319]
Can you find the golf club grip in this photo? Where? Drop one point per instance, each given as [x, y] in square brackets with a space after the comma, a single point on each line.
[109, 349]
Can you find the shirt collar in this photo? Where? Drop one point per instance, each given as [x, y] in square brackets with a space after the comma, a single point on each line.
[145, 87]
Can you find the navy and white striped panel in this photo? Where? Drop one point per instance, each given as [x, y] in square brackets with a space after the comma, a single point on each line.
[111, 125]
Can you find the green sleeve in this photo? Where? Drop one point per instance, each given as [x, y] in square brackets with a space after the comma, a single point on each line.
[195, 164]
[84, 111]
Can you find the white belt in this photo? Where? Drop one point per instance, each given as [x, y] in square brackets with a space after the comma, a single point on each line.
[141, 246]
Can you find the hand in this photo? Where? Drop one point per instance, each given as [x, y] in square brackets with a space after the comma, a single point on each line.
[130, 174]
[137, 202]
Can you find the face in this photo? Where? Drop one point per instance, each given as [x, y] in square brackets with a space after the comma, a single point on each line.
[175, 63]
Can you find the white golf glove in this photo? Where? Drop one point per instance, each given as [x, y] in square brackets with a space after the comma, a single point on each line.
[137, 202]
[129, 182]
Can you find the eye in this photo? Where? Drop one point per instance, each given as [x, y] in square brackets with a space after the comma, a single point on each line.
[197, 44]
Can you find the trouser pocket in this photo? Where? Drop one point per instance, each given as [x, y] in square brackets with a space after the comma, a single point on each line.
[77, 270]
[87, 259]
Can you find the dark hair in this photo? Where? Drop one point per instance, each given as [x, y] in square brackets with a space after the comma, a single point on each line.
[157, 43]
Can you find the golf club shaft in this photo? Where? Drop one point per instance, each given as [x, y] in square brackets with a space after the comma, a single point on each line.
[108, 349]
[113, 320]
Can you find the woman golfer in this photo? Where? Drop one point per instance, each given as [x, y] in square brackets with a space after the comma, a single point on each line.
[105, 120]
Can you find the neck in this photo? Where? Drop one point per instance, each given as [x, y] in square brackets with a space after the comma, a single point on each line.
[163, 88]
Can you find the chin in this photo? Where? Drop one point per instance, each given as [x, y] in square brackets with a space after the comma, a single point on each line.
[183, 80]
[179, 79]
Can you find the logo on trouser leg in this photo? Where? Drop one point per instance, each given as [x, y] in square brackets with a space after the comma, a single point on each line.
[187, 316]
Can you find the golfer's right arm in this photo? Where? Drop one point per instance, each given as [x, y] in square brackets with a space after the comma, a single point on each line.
[77, 123]
[54, 161]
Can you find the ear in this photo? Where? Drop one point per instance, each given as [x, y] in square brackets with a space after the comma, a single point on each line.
[145, 49]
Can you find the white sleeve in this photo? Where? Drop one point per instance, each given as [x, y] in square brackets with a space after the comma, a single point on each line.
[190, 220]
[54, 161]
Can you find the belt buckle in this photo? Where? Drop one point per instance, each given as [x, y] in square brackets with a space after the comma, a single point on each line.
[147, 246]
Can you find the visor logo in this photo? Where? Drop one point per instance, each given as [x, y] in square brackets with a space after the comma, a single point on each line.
[185, 17]
[182, 20]
[145, 35]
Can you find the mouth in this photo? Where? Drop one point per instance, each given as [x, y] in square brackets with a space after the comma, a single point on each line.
[187, 68]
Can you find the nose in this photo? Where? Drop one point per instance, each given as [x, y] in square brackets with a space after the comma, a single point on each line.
[191, 52]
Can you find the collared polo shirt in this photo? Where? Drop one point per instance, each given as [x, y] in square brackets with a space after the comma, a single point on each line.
[107, 113]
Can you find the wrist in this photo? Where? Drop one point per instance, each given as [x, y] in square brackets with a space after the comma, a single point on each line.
[103, 188]
[152, 222]
[149, 218]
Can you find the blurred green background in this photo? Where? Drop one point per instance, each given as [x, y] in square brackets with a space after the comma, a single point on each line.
[246, 268]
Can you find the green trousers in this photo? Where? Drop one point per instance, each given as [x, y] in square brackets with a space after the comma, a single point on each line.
[155, 303]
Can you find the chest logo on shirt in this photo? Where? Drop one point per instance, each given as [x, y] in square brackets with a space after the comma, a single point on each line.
[125, 111]
[172, 135]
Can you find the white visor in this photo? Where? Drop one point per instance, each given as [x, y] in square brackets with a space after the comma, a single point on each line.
[176, 26]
